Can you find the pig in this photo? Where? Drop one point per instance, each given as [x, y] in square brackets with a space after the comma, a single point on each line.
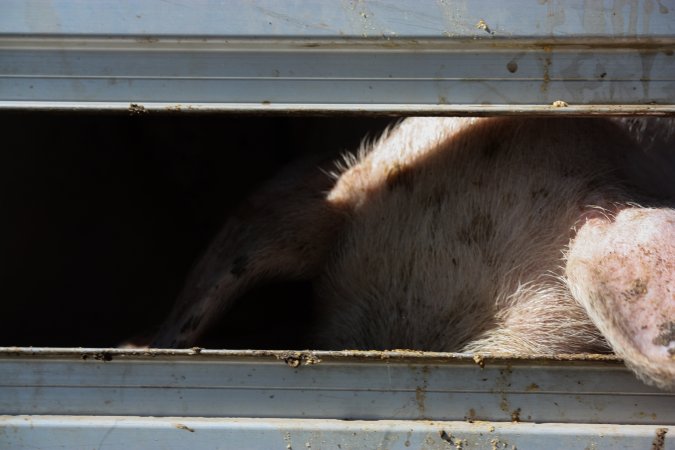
[502, 235]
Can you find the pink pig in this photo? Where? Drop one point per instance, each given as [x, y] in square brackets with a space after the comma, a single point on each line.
[502, 235]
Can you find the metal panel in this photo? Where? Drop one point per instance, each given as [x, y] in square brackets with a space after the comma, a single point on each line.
[335, 385]
[443, 57]
[122, 433]
[340, 19]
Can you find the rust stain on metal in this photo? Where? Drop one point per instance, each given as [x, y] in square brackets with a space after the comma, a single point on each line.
[643, 414]
[515, 415]
[421, 392]
[420, 397]
[532, 387]
[659, 442]
[548, 49]
[502, 384]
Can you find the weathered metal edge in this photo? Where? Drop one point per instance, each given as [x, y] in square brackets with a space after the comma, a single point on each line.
[557, 109]
[118, 432]
[303, 356]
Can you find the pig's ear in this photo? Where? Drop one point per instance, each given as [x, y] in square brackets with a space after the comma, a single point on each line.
[283, 232]
[623, 272]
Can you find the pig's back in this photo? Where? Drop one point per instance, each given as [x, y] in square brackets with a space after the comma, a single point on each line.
[457, 233]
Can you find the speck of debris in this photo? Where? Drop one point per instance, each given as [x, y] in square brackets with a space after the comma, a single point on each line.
[478, 359]
[452, 440]
[292, 361]
[515, 415]
[180, 426]
[295, 359]
[482, 25]
[102, 356]
[196, 350]
[560, 104]
[136, 109]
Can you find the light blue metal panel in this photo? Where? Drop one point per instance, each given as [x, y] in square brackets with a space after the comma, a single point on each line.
[123, 433]
[341, 19]
[445, 57]
[336, 385]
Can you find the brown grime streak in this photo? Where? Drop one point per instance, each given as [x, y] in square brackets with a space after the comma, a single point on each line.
[637, 290]
[667, 334]
[660, 439]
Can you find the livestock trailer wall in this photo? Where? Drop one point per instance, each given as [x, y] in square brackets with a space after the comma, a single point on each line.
[112, 185]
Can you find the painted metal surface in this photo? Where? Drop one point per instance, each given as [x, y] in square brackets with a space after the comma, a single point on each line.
[343, 18]
[122, 433]
[329, 385]
[185, 399]
[442, 57]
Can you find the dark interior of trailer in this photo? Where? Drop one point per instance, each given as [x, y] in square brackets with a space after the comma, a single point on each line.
[103, 215]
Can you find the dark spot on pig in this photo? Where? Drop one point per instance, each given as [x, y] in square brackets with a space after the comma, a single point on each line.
[637, 290]
[480, 229]
[490, 150]
[398, 176]
[437, 196]
[543, 193]
[509, 199]
[512, 66]
[190, 324]
[239, 266]
[666, 335]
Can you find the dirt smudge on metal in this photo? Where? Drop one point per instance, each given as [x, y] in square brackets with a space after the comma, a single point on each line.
[181, 426]
[659, 442]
